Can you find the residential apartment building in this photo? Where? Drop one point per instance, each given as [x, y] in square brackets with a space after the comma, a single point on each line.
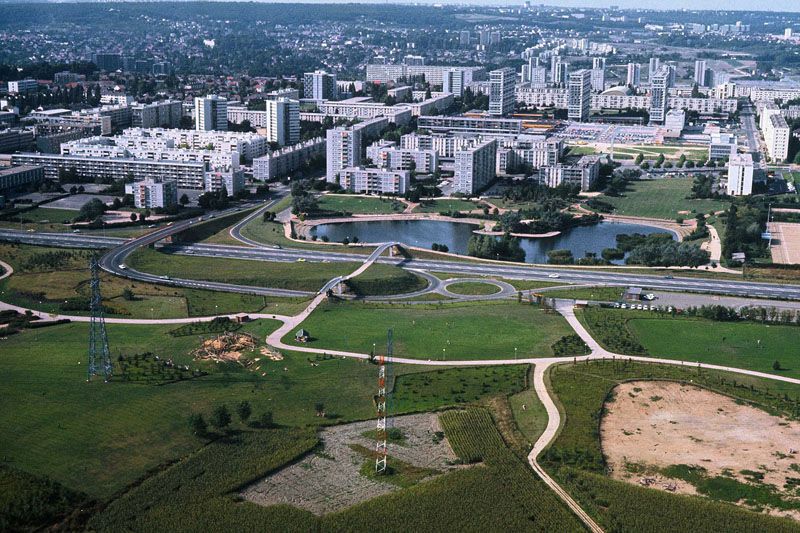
[164, 114]
[471, 125]
[373, 180]
[579, 95]
[149, 193]
[776, 137]
[387, 155]
[23, 86]
[634, 76]
[528, 151]
[475, 167]
[280, 120]
[740, 175]
[598, 74]
[320, 85]
[286, 160]
[721, 146]
[433, 74]
[501, 92]
[583, 173]
[700, 71]
[344, 145]
[659, 94]
[211, 113]
[18, 178]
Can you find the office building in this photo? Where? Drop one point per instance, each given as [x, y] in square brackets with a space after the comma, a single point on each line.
[655, 64]
[474, 167]
[501, 94]
[280, 120]
[23, 86]
[20, 178]
[722, 146]
[700, 70]
[344, 145]
[634, 78]
[164, 114]
[598, 74]
[150, 194]
[373, 180]
[320, 85]
[211, 113]
[579, 95]
[659, 94]
[740, 175]
[280, 163]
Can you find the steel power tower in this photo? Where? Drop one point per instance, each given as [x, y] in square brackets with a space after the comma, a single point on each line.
[99, 353]
[381, 447]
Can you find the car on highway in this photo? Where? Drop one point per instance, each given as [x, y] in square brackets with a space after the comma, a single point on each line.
[649, 296]
[76, 231]
[122, 267]
[301, 260]
[164, 277]
[668, 276]
[554, 275]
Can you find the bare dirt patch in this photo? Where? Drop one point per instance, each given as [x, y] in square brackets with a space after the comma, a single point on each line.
[227, 347]
[330, 478]
[652, 425]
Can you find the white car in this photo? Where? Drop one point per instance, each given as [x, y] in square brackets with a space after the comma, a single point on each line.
[122, 267]
[640, 307]
[649, 297]
[554, 275]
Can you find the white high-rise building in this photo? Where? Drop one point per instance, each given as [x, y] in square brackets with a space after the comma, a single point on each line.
[539, 77]
[453, 81]
[740, 175]
[776, 137]
[579, 95]
[561, 73]
[211, 113]
[501, 91]
[598, 74]
[150, 193]
[320, 85]
[655, 64]
[343, 145]
[280, 119]
[475, 167]
[700, 69]
[634, 77]
[659, 94]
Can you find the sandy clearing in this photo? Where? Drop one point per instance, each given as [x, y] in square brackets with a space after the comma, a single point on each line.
[785, 246]
[329, 480]
[657, 423]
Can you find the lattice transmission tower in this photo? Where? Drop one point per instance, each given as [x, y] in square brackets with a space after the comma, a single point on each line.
[381, 402]
[99, 353]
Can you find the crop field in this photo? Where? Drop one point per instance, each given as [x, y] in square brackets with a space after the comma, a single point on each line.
[577, 460]
[458, 331]
[663, 198]
[45, 277]
[308, 276]
[359, 204]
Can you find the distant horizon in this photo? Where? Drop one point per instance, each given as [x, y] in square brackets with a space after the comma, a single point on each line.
[777, 6]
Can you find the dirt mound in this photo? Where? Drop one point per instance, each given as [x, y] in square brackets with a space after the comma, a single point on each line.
[227, 347]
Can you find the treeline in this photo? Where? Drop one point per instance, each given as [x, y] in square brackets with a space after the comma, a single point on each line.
[657, 249]
[744, 224]
[506, 248]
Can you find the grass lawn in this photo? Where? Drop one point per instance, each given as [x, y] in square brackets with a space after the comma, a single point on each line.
[47, 287]
[611, 294]
[272, 233]
[458, 331]
[52, 215]
[529, 412]
[473, 288]
[661, 198]
[740, 344]
[437, 206]
[359, 204]
[308, 276]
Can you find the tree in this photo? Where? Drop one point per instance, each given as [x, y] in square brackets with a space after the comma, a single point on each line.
[127, 294]
[198, 424]
[133, 217]
[92, 209]
[639, 158]
[776, 366]
[265, 420]
[244, 410]
[319, 408]
[221, 417]
[184, 199]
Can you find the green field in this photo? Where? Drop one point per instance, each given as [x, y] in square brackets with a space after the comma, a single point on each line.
[477, 330]
[47, 287]
[611, 294]
[473, 288]
[662, 198]
[273, 233]
[576, 458]
[359, 204]
[46, 219]
[303, 276]
[46, 215]
[437, 206]
[741, 344]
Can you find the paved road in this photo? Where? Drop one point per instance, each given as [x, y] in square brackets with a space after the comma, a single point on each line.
[511, 271]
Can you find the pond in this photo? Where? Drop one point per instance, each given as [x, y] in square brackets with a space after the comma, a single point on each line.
[455, 235]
